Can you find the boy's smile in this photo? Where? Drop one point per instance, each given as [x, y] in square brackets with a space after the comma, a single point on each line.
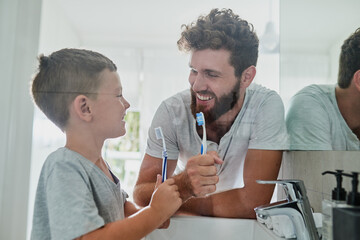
[110, 106]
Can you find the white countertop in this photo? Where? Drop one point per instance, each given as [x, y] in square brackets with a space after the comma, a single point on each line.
[211, 228]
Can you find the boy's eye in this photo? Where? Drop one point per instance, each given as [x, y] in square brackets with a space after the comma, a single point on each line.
[119, 96]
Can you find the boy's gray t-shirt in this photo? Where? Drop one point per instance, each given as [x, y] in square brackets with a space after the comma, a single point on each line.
[260, 124]
[74, 197]
[314, 121]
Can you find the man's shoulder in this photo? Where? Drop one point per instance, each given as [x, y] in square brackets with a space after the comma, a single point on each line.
[179, 100]
[257, 94]
[316, 89]
[257, 89]
[320, 95]
[183, 96]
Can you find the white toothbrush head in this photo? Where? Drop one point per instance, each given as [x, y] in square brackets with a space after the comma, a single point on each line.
[200, 119]
[159, 134]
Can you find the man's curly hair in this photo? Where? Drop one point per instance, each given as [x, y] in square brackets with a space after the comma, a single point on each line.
[349, 61]
[222, 29]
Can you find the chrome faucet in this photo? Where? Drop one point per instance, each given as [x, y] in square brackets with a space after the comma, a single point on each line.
[296, 207]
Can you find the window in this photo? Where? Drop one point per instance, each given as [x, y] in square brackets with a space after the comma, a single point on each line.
[123, 153]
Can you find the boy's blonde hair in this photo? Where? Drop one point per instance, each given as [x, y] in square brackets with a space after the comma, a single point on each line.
[62, 76]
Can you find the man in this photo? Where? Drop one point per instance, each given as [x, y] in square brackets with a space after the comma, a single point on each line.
[244, 123]
[327, 117]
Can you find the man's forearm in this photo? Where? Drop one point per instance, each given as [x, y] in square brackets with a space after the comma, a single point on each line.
[229, 204]
[142, 193]
[184, 186]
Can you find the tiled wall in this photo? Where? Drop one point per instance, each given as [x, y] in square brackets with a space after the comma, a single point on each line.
[308, 166]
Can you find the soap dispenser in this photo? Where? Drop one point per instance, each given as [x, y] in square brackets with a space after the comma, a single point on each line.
[338, 198]
[346, 221]
[353, 198]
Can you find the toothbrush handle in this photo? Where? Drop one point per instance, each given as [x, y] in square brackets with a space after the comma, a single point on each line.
[204, 143]
[164, 169]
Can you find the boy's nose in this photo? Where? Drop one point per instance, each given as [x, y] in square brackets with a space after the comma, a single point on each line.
[126, 103]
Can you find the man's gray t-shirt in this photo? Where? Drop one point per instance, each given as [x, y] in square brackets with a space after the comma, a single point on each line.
[74, 197]
[314, 121]
[260, 124]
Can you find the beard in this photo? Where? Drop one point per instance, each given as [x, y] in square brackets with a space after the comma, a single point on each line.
[222, 105]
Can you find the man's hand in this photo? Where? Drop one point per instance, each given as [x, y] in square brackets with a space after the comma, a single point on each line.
[199, 177]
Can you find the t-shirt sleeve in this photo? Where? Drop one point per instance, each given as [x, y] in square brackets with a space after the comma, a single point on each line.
[163, 118]
[71, 206]
[308, 124]
[269, 129]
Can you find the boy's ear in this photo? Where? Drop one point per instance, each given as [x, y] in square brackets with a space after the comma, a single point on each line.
[248, 76]
[82, 107]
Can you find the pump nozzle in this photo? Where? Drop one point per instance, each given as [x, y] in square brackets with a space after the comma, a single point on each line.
[339, 192]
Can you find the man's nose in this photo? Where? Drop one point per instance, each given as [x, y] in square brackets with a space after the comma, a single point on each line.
[200, 83]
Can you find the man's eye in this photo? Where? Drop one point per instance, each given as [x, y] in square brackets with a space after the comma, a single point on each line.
[211, 74]
[119, 96]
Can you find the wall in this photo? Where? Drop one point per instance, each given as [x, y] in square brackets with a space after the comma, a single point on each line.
[19, 34]
[55, 33]
[308, 166]
[302, 69]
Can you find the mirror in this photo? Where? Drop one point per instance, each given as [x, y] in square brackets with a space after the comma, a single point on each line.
[311, 35]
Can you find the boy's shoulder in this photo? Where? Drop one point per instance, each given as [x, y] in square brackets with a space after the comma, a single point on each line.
[64, 158]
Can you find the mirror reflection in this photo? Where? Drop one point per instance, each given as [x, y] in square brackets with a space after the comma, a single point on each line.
[324, 115]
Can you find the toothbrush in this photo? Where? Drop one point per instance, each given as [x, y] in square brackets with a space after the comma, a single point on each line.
[200, 119]
[159, 135]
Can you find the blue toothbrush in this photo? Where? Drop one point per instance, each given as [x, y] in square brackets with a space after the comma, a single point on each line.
[159, 135]
[200, 119]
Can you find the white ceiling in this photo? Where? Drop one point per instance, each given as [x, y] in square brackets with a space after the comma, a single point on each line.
[144, 22]
[306, 25]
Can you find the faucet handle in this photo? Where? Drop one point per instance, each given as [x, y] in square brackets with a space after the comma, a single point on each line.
[294, 188]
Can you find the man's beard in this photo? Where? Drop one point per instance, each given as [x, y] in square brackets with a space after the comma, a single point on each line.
[222, 105]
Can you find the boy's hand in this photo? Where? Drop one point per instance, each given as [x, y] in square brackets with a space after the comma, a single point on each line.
[166, 198]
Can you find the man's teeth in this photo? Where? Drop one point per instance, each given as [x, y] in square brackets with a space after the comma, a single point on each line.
[203, 98]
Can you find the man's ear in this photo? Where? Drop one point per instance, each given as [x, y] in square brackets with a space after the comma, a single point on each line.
[356, 80]
[248, 76]
[82, 107]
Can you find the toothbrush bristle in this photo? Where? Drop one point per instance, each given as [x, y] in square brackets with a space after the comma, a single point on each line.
[158, 133]
[200, 119]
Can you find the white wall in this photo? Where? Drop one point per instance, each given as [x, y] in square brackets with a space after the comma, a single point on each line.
[19, 30]
[55, 33]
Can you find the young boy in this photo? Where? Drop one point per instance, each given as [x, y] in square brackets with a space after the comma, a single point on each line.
[78, 197]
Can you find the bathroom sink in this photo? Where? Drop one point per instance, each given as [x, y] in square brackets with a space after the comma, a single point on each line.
[211, 228]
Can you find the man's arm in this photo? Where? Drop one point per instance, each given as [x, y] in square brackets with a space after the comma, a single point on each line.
[198, 178]
[240, 203]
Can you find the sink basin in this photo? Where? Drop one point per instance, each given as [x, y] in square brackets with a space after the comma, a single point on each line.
[211, 228]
